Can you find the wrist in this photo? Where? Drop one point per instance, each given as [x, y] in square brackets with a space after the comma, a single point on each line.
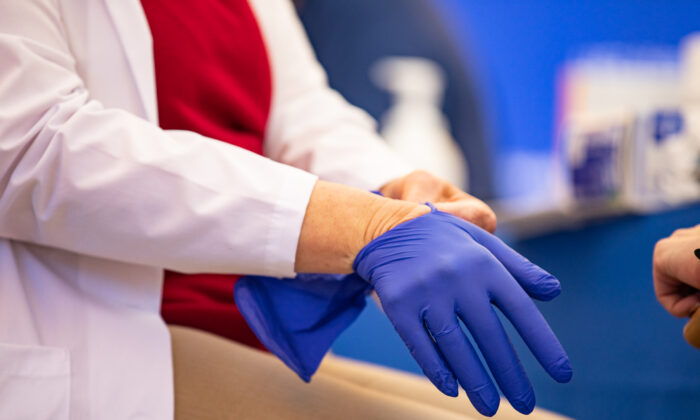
[388, 214]
[340, 221]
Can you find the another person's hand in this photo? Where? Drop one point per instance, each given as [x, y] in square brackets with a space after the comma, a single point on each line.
[435, 269]
[421, 187]
[677, 272]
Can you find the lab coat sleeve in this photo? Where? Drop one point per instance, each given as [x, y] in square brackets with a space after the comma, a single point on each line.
[311, 126]
[103, 182]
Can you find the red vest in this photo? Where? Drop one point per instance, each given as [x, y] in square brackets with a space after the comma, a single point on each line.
[212, 77]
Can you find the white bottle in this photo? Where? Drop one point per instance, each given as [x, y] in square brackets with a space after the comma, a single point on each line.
[415, 126]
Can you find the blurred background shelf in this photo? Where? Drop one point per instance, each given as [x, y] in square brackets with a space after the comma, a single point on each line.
[527, 222]
[532, 223]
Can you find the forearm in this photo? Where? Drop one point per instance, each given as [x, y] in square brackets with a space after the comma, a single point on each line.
[340, 221]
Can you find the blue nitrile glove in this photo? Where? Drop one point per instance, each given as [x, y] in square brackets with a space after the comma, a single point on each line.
[298, 319]
[435, 269]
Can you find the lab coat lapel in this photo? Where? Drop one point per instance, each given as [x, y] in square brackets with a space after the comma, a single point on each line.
[137, 44]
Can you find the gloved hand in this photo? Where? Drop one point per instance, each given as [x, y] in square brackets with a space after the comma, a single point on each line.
[298, 319]
[435, 269]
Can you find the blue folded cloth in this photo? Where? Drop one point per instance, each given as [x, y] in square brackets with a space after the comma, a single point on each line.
[297, 319]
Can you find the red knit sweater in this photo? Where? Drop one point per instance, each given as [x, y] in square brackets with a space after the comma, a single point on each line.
[212, 77]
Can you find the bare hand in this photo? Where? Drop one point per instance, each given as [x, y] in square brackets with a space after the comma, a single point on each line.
[677, 272]
[421, 187]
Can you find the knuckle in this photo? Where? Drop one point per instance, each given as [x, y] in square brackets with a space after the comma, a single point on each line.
[659, 260]
[481, 215]
[445, 265]
[420, 173]
[421, 176]
[475, 389]
[390, 299]
[444, 330]
[397, 297]
[660, 247]
[679, 232]
[657, 263]
[480, 259]
[490, 221]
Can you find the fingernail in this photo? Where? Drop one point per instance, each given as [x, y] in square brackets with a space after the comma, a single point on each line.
[550, 279]
[563, 373]
[524, 405]
[551, 287]
[451, 388]
[449, 385]
[695, 308]
[552, 284]
[487, 408]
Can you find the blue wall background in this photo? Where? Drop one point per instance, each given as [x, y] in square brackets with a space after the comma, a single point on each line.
[629, 358]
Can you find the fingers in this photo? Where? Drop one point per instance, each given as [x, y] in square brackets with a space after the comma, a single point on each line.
[472, 210]
[670, 291]
[538, 283]
[464, 362]
[485, 327]
[676, 272]
[681, 303]
[532, 327]
[423, 350]
[418, 186]
[421, 187]
[675, 258]
[687, 305]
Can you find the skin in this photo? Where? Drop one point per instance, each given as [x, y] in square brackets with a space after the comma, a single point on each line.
[341, 220]
[677, 272]
[421, 187]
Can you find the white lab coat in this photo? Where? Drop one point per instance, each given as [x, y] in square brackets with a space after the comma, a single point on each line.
[96, 200]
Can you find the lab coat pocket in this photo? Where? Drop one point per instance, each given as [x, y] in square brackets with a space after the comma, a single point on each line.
[34, 382]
